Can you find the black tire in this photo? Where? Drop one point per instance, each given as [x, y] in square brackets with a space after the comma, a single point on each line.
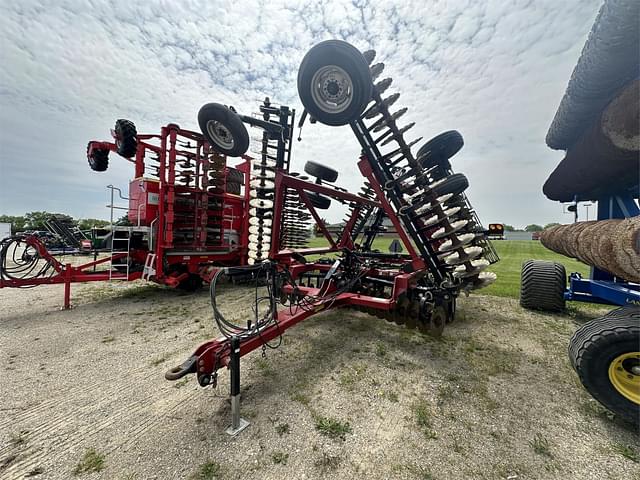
[594, 348]
[319, 201]
[98, 159]
[454, 184]
[320, 171]
[542, 285]
[223, 129]
[233, 187]
[440, 149]
[192, 283]
[126, 138]
[324, 92]
[235, 176]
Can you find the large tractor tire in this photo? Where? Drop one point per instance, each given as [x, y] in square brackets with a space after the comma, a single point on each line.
[223, 129]
[605, 354]
[334, 82]
[98, 159]
[542, 285]
[126, 138]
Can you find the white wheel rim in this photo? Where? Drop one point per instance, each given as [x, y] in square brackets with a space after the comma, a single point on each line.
[220, 134]
[332, 89]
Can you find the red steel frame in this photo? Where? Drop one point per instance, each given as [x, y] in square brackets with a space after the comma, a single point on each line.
[214, 354]
[199, 260]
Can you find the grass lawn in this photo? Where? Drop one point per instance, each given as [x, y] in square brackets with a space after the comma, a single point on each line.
[511, 252]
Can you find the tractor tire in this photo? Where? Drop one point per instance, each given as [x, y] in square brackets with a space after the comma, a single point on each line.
[542, 285]
[98, 159]
[319, 201]
[320, 171]
[454, 184]
[235, 176]
[233, 187]
[334, 82]
[126, 138]
[605, 354]
[440, 149]
[223, 129]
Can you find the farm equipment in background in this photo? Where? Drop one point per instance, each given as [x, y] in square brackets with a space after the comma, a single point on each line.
[446, 247]
[185, 209]
[597, 125]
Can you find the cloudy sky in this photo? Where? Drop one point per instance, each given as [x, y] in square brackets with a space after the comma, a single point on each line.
[493, 70]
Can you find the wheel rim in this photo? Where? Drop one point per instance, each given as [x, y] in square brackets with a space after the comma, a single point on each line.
[220, 134]
[332, 89]
[624, 373]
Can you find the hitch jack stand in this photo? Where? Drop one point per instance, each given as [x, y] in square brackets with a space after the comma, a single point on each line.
[237, 423]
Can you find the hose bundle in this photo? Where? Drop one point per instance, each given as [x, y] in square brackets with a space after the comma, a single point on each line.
[20, 260]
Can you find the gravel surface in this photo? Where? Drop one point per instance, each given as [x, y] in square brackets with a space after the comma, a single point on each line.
[346, 396]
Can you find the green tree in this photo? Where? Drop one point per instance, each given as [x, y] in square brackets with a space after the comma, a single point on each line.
[17, 222]
[123, 221]
[36, 220]
[88, 223]
[533, 228]
[552, 224]
[508, 228]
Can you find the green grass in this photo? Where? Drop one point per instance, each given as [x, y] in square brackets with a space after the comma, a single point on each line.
[511, 252]
[332, 427]
[207, 471]
[92, 461]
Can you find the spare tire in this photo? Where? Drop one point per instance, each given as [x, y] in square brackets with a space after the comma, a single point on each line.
[320, 171]
[223, 129]
[334, 82]
[126, 138]
[98, 159]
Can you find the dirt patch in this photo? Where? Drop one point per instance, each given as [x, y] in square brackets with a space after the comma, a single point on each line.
[346, 396]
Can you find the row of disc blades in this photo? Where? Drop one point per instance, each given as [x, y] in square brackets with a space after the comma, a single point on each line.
[431, 198]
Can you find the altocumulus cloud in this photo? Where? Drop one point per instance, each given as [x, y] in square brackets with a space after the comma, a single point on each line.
[494, 70]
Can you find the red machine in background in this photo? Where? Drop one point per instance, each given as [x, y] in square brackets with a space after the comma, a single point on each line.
[186, 213]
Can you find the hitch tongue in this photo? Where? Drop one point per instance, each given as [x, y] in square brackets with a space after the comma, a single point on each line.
[188, 366]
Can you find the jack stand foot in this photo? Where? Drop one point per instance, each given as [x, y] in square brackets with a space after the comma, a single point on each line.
[237, 424]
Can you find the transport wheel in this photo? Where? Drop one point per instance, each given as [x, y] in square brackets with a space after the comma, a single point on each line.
[233, 187]
[235, 176]
[223, 129]
[98, 159]
[440, 149]
[454, 184]
[334, 82]
[319, 201]
[191, 284]
[542, 285]
[320, 171]
[126, 138]
[605, 353]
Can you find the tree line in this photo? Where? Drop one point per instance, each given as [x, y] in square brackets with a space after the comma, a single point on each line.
[36, 221]
[534, 227]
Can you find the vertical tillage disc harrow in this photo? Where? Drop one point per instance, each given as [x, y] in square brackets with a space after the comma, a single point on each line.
[336, 86]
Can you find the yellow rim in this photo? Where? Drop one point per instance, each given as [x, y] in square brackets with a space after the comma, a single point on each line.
[624, 373]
